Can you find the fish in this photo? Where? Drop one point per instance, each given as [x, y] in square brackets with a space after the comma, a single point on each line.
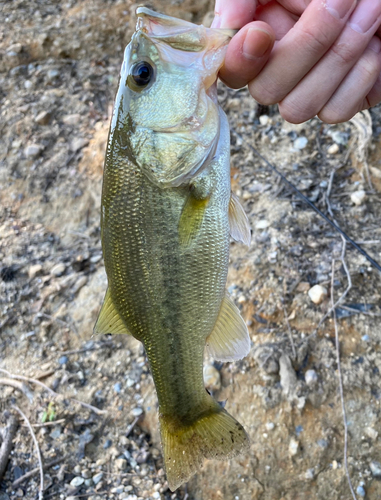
[167, 214]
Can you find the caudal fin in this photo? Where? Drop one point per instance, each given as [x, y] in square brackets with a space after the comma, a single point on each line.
[214, 435]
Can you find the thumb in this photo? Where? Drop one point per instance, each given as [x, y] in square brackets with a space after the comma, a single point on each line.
[247, 53]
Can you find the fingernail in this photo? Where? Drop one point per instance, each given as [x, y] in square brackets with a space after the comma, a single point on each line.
[339, 8]
[256, 43]
[375, 44]
[365, 15]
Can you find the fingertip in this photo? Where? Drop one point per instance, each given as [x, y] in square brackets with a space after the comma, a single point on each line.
[247, 53]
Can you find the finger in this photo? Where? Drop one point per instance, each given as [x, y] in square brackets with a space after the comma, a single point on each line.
[294, 6]
[374, 96]
[349, 97]
[247, 53]
[277, 17]
[316, 88]
[301, 49]
[233, 15]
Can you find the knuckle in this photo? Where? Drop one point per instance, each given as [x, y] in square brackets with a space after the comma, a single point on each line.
[293, 113]
[263, 95]
[344, 53]
[317, 43]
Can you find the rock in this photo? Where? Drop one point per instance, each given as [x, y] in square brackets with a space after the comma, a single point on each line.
[137, 412]
[58, 269]
[52, 74]
[212, 377]
[311, 377]
[293, 447]
[333, 149]
[288, 378]
[86, 474]
[33, 150]
[270, 426]
[317, 294]
[62, 360]
[77, 481]
[98, 477]
[121, 464]
[300, 143]
[372, 433]
[79, 284]
[360, 490]
[78, 143]
[43, 118]
[118, 387]
[77, 469]
[28, 84]
[34, 270]
[15, 47]
[262, 224]
[358, 197]
[375, 468]
[264, 119]
[88, 482]
[71, 119]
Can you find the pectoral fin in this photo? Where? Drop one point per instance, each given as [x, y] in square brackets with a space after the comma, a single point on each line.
[191, 219]
[109, 320]
[229, 339]
[239, 223]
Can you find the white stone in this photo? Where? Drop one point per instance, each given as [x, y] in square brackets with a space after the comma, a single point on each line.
[262, 224]
[270, 426]
[293, 447]
[77, 481]
[264, 119]
[121, 464]
[98, 478]
[58, 269]
[333, 149]
[33, 150]
[34, 270]
[71, 119]
[311, 377]
[372, 433]
[300, 143]
[317, 294]
[358, 197]
[78, 143]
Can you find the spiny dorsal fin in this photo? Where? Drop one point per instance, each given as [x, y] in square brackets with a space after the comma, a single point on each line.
[239, 223]
[191, 219]
[109, 320]
[229, 339]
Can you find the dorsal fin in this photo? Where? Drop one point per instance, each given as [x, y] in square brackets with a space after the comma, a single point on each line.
[239, 223]
[229, 339]
[109, 320]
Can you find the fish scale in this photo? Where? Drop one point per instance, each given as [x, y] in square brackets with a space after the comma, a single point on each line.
[165, 233]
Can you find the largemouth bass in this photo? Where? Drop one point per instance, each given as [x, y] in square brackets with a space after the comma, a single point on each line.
[167, 216]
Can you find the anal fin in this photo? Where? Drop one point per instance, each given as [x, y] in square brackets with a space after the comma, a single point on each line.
[109, 320]
[238, 221]
[229, 339]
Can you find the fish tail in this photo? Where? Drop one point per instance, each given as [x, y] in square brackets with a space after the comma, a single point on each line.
[215, 435]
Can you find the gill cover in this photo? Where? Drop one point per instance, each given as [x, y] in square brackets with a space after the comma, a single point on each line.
[166, 118]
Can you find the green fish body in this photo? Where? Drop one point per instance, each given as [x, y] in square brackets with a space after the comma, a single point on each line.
[167, 215]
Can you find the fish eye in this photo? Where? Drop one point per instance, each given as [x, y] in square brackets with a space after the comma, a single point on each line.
[141, 75]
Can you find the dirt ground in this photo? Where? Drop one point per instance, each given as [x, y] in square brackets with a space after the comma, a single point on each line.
[59, 66]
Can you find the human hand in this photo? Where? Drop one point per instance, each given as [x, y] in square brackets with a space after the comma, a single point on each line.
[326, 59]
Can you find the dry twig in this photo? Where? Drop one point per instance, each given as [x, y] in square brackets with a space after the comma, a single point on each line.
[38, 452]
[32, 472]
[51, 392]
[19, 386]
[6, 446]
[333, 309]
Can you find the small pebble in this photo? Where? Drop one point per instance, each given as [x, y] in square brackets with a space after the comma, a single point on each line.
[78, 143]
[97, 478]
[334, 149]
[52, 74]
[262, 224]
[375, 468]
[264, 119]
[365, 338]
[317, 294]
[43, 118]
[85, 473]
[33, 150]
[293, 447]
[360, 490]
[311, 377]
[77, 469]
[137, 412]
[212, 377]
[107, 444]
[58, 269]
[300, 143]
[372, 433]
[79, 284]
[71, 119]
[270, 426]
[34, 270]
[89, 482]
[62, 360]
[358, 197]
[118, 387]
[121, 464]
[310, 474]
[77, 481]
